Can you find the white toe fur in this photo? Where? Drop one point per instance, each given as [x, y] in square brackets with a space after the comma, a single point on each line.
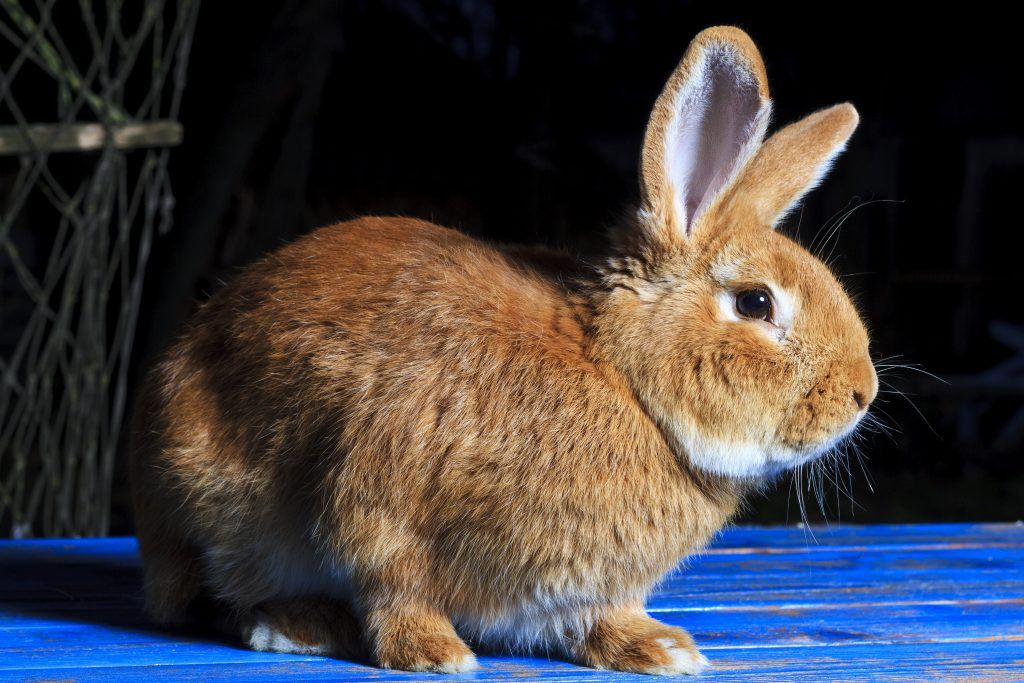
[265, 638]
[457, 665]
[683, 661]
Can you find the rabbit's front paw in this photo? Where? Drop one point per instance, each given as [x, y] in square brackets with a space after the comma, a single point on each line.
[685, 658]
[632, 641]
[419, 641]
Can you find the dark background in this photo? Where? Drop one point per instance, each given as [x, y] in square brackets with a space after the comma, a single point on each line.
[522, 123]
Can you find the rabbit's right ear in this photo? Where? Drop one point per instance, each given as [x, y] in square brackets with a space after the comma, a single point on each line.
[708, 122]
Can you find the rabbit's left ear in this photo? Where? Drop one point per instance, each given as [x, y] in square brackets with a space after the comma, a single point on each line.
[788, 166]
[706, 125]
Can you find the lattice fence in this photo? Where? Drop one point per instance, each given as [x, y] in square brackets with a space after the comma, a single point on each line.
[89, 96]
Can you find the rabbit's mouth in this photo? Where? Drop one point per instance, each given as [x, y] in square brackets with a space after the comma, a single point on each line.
[805, 452]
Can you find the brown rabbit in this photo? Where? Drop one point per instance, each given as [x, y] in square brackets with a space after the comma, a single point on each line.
[391, 436]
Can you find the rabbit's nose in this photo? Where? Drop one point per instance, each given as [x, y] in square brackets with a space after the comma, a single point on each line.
[865, 384]
[860, 399]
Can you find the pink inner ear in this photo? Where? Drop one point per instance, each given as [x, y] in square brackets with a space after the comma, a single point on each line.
[719, 115]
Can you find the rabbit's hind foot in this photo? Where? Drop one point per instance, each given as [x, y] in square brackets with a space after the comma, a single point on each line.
[309, 626]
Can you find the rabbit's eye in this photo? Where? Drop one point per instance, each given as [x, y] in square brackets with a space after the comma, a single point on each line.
[754, 303]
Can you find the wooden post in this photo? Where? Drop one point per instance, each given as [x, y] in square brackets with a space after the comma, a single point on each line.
[79, 137]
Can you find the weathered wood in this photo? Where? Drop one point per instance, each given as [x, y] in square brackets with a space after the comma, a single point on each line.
[83, 137]
[881, 603]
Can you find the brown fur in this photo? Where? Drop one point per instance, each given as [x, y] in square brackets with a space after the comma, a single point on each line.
[448, 437]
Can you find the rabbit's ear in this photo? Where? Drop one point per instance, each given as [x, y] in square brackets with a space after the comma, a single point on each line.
[706, 124]
[790, 164]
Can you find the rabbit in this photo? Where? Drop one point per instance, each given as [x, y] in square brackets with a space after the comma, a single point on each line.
[389, 439]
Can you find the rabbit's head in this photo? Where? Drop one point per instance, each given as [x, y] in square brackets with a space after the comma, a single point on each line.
[741, 345]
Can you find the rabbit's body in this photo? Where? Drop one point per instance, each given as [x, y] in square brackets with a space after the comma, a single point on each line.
[390, 434]
[344, 408]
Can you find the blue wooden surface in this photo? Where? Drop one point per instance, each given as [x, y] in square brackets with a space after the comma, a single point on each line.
[920, 602]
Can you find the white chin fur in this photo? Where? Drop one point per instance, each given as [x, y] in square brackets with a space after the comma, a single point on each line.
[736, 460]
[751, 461]
[739, 461]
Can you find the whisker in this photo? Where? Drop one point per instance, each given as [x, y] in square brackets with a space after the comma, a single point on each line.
[828, 223]
[815, 483]
[834, 232]
[917, 410]
[789, 496]
[882, 369]
[864, 470]
[803, 506]
[849, 478]
[876, 421]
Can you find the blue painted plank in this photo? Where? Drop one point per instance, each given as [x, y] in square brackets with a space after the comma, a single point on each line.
[975, 661]
[907, 601]
[835, 575]
[680, 595]
[823, 624]
[771, 593]
[872, 536]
